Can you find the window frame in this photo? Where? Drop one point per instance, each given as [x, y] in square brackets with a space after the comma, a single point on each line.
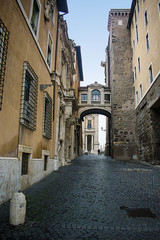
[49, 39]
[89, 125]
[137, 37]
[137, 98]
[147, 42]
[86, 97]
[138, 6]
[135, 73]
[139, 64]
[150, 71]
[96, 98]
[146, 18]
[39, 16]
[140, 91]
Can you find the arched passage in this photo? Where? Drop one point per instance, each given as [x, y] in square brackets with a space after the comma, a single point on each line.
[94, 111]
[88, 111]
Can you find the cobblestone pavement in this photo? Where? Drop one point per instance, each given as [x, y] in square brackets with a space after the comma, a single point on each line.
[84, 200]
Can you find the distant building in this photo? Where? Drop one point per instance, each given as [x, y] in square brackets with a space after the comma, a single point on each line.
[144, 24]
[90, 133]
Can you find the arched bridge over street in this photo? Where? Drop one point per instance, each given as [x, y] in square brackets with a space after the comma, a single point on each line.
[94, 99]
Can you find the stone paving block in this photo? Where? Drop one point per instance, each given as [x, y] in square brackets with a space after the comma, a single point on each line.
[69, 205]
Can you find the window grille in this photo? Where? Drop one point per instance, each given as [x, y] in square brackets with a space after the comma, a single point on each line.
[29, 97]
[96, 96]
[24, 169]
[4, 37]
[47, 120]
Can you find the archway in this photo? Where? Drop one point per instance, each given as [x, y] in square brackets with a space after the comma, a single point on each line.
[86, 138]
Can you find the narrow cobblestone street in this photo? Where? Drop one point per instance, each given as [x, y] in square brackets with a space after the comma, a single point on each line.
[86, 200]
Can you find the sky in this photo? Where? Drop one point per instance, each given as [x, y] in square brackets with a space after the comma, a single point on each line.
[87, 22]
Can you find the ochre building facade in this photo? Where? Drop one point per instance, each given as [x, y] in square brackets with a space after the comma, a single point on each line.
[39, 74]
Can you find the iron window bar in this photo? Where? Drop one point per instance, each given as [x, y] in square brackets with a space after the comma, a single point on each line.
[4, 37]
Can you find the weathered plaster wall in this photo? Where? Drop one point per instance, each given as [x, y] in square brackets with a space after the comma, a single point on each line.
[9, 178]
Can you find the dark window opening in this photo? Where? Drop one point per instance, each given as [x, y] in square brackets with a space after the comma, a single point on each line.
[107, 97]
[45, 162]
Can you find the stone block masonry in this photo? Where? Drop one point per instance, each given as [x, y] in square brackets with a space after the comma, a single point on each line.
[148, 125]
[122, 94]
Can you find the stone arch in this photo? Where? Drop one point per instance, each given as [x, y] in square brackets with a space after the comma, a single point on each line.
[87, 111]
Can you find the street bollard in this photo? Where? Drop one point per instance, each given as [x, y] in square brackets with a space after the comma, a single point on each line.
[17, 209]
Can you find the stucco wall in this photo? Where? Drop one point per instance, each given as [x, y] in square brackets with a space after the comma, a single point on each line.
[9, 178]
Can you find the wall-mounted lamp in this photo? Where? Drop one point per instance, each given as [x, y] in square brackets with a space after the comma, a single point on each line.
[53, 79]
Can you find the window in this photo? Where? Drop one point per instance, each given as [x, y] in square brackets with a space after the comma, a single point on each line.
[143, 1]
[147, 42]
[35, 16]
[146, 18]
[135, 73]
[45, 162]
[4, 37]
[137, 33]
[159, 7]
[89, 124]
[138, 6]
[29, 97]
[95, 96]
[47, 119]
[83, 97]
[135, 17]
[140, 88]
[49, 51]
[137, 100]
[133, 44]
[107, 97]
[53, 14]
[139, 64]
[150, 74]
[24, 168]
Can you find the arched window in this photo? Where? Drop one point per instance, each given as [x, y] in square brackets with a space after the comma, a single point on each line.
[96, 96]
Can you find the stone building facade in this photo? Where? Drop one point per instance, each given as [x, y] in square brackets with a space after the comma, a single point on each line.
[119, 76]
[144, 24]
[37, 94]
